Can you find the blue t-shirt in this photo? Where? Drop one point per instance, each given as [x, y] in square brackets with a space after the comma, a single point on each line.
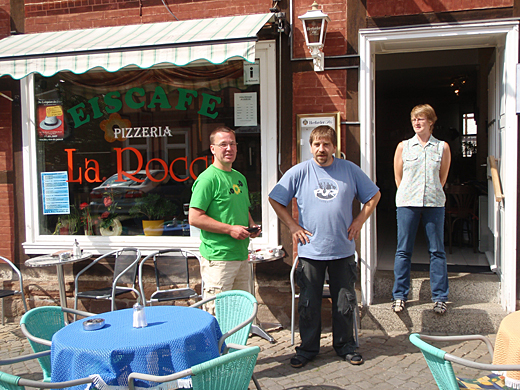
[324, 196]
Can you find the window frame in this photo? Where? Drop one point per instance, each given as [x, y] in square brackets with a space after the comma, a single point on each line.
[36, 243]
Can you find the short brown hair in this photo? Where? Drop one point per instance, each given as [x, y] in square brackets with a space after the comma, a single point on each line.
[220, 129]
[426, 110]
[324, 131]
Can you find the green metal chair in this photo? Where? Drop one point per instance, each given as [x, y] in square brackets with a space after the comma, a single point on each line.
[232, 371]
[440, 364]
[235, 311]
[39, 325]
[13, 382]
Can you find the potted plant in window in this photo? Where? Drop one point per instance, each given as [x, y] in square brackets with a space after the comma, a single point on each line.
[110, 225]
[68, 224]
[154, 208]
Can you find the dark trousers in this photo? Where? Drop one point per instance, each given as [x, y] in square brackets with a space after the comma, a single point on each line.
[310, 276]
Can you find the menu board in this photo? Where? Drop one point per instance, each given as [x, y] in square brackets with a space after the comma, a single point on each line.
[55, 193]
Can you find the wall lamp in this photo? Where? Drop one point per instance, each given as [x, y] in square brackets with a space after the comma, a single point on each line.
[315, 27]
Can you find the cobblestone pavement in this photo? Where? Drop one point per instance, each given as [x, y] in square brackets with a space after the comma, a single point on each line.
[391, 362]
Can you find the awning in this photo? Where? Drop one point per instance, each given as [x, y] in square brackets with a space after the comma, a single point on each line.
[145, 45]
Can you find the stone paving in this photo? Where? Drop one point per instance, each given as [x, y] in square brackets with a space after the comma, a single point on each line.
[391, 362]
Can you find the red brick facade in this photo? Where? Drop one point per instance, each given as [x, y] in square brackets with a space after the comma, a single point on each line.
[5, 20]
[378, 8]
[7, 222]
[51, 15]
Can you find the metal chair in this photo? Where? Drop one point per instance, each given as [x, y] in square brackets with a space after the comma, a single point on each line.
[8, 293]
[172, 277]
[440, 363]
[39, 325]
[235, 311]
[326, 294]
[13, 382]
[232, 371]
[123, 281]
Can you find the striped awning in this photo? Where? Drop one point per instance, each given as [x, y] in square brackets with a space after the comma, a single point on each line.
[112, 48]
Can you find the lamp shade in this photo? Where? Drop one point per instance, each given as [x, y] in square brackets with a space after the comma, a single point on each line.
[315, 26]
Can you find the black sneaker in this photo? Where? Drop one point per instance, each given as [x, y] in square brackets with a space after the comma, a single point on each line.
[298, 361]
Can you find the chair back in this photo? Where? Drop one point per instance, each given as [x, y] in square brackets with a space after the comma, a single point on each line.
[6, 292]
[43, 322]
[440, 368]
[125, 267]
[171, 270]
[464, 197]
[232, 371]
[233, 308]
[172, 276]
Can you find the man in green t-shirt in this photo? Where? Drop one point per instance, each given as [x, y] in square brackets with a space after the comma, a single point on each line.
[219, 206]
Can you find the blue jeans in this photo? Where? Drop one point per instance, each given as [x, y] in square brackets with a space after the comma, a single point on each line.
[310, 276]
[407, 224]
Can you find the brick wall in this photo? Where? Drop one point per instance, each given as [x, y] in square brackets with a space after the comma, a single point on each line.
[379, 8]
[335, 42]
[5, 20]
[316, 92]
[56, 15]
[6, 188]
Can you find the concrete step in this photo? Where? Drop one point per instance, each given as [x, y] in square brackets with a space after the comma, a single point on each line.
[460, 318]
[464, 287]
[473, 307]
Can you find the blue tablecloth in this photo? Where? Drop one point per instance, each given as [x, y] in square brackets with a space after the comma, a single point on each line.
[175, 339]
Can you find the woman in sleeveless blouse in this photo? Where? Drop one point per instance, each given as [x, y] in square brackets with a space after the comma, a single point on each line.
[421, 166]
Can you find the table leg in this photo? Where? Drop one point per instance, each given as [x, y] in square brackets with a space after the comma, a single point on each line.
[61, 285]
[257, 328]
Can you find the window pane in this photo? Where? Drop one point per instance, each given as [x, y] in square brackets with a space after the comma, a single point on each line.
[129, 136]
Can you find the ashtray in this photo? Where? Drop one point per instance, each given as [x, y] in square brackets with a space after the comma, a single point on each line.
[65, 256]
[94, 324]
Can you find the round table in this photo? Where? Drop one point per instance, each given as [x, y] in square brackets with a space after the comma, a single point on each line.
[54, 259]
[175, 339]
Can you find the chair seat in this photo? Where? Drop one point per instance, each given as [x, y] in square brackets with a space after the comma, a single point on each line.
[491, 381]
[172, 295]
[7, 293]
[103, 293]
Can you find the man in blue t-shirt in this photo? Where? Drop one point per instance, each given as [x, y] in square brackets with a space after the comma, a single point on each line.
[324, 188]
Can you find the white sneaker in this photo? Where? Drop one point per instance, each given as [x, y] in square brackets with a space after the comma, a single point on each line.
[398, 305]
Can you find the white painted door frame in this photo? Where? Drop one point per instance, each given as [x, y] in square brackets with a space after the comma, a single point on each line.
[500, 33]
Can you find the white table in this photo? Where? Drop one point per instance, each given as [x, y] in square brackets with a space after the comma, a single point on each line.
[257, 327]
[49, 260]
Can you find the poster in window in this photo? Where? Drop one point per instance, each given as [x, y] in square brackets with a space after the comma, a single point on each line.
[307, 123]
[50, 120]
[55, 193]
[246, 109]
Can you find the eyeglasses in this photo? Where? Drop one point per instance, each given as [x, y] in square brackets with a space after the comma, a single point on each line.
[418, 120]
[224, 145]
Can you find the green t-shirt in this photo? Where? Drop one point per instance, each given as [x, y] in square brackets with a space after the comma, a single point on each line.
[223, 196]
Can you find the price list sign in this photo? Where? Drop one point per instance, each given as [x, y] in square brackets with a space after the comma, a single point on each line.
[55, 193]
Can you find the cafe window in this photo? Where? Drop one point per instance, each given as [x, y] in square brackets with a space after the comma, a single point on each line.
[116, 149]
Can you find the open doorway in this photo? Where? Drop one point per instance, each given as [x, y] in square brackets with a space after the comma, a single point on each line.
[495, 44]
[454, 83]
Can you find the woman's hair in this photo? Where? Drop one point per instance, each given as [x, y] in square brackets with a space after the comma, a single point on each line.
[427, 111]
[323, 131]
